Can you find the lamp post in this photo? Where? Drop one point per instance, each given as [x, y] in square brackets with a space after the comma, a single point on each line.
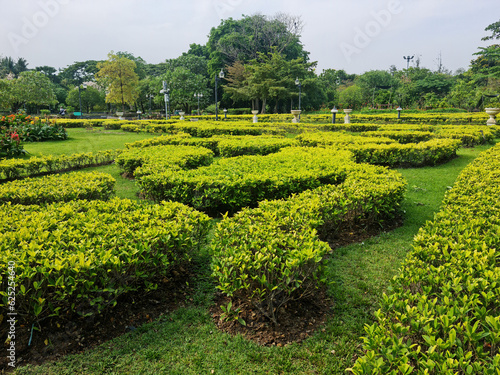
[139, 114]
[408, 59]
[399, 109]
[149, 96]
[225, 114]
[334, 114]
[297, 82]
[199, 95]
[80, 96]
[166, 93]
[217, 79]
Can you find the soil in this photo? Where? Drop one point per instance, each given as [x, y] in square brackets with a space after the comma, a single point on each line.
[57, 337]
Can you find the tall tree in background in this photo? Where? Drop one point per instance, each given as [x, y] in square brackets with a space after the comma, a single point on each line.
[117, 75]
[31, 88]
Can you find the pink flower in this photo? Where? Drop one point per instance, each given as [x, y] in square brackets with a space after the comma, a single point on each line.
[14, 136]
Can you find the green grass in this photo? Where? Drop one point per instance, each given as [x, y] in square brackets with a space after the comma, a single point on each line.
[82, 140]
[187, 342]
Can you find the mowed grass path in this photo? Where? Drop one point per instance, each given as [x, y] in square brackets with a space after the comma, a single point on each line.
[187, 342]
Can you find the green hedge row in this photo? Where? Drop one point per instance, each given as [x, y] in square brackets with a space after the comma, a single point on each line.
[58, 188]
[272, 254]
[401, 136]
[82, 255]
[442, 315]
[157, 159]
[253, 145]
[18, 168]
[339, 139]
[468, 135]
[233, 183]
[432, 152]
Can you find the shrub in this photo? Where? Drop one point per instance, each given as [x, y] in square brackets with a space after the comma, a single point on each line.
[231, 184]
[82, 255]
[272, 254]
[58, 188]
[442, 315]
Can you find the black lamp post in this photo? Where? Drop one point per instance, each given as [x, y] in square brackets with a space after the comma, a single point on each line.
[297, 82]
[408, 59]
[399, 109]
[80, 96]
[225, 114]
[217, 79]
[334, 114]
[200, 95]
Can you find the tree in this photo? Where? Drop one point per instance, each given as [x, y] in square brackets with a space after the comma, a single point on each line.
[378, 82]
[32, 88]
[91, 97]
[79, 72]
[118, 76]
[351, 97]
[243, 40]
[8, 65]
[487, 64]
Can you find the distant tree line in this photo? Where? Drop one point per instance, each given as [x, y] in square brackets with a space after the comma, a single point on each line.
[261, 57]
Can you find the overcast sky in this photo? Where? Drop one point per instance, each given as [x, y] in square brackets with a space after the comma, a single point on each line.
[355, 35]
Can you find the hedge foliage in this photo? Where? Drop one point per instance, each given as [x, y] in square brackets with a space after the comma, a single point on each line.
[442, 315]
[82, 255]
[432, 152]
[233, 183]
[252, 145]
[157, 159]
[58, 188]
[18, 168]
[272, 254]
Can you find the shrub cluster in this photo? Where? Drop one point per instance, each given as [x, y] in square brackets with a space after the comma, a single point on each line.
[17, 168]
[58, 188]
[253, 145]
[157, 159]
[432, 152]
[442, 315]
[82, 255]
[272, 254]
[233, 183]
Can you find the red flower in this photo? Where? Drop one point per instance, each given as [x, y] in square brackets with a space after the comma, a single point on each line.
[14, 136]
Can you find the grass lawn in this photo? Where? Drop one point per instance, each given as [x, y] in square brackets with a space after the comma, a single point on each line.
[187, 342]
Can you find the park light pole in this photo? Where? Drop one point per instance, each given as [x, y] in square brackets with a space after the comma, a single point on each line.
[80, 96]
[399, 109]
[297, 82]
[408, 59]
[225, 114]
[334, 114]
[149, 96]
[217, 79]
[165, 91]
[198, 95]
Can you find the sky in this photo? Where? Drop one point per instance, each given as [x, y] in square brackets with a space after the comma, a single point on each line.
[356, 36]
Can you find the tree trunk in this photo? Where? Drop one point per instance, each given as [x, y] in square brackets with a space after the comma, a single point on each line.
[263, 106]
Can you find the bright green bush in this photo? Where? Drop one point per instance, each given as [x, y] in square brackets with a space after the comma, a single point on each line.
[272, 254]
[432, 152]
[402, 136]
[157, 159]
[253, 145]
[231, 184]
[468, 135]
[442, 314]
[338, 139]
[58, 188]
[82, 255]
[17, 168]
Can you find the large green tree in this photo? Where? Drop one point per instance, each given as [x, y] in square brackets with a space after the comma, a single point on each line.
[117, 75]
[31, 88]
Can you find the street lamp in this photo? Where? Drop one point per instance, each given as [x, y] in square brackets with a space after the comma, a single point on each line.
[166, 93]
[399, 109]
[334, 114]
[80, 96]
[139, 114]
[200, 95]
[149, 96]
[408, 59]
[217, 79]
[225, 114]
[297, 82]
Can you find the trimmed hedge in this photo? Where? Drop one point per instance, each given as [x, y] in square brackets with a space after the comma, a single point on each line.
[58, 188]
[432, 152]
[82, 255]
[157, 159]
[272, 254]
[253, 145]
[234, 183]
[19, 168]
[338, 139]
[402, 136]
[442, 315]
